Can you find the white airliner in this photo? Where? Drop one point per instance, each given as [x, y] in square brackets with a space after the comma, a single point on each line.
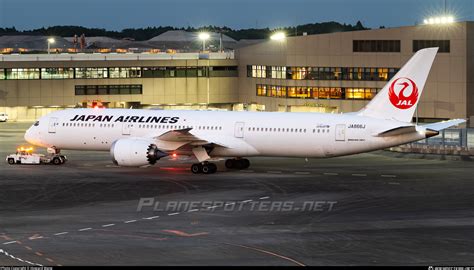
[142, 137]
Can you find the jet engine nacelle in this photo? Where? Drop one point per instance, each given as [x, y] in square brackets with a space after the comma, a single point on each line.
[135, 152]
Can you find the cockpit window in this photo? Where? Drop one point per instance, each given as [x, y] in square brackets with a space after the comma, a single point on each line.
[36, 123]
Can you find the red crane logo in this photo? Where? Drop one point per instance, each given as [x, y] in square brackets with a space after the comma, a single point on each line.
[403, 93]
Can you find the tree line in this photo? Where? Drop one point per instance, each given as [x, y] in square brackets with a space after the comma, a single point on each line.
[147, 33]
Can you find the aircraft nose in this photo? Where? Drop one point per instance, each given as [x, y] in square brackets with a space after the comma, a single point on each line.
[28, 136]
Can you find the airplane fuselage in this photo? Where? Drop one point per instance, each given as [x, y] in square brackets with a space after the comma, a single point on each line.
[246, 133]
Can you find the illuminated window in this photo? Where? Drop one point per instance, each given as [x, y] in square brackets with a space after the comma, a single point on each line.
[370, 93]
[337, 74]
[299, 92]
[91, 73]
[324, 92]
[383, 74]
[278, 72]
[125, 72]
[22, 73]
[259, 71]
[281, 91]
[315, 92]
[273, 91]
[322, 73]
[261, 90]
[2, 74]
[355, 93]
[336, 93]
[57, 73]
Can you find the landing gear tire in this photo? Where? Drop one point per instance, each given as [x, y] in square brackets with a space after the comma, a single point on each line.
[245, 163]
[196, 168]
[213, 167]
[209, 168]
[206, 168]
[239, 164]
[11, 161]
[229, 164]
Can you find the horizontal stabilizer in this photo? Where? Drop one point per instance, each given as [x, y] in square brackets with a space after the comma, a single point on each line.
[396, 131]
[444, 124]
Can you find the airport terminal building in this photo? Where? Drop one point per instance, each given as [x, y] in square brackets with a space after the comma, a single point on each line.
[336, 72]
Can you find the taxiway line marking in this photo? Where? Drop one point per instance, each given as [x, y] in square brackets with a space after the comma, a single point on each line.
[173, 214]
[268, 252]
[302, 172]
[84, 229]
[108, 225]
[264, 198]
[130, 221]
[273, 171]
[8, 243]
[246, 201]
[18, 259]
[359, 174]
[193, 210]
[150, 218]
[329, 173]
[393, 183]
[61, 233]
[388, 175]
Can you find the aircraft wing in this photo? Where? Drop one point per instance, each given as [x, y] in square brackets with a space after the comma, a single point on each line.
[174, 139]
[444, 124]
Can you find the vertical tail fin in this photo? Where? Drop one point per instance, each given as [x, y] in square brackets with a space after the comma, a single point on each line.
[399, 97]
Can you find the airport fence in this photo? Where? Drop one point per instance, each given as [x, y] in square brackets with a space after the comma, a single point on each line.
[455, 141]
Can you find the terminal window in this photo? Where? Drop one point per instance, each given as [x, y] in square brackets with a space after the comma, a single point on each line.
[22, 73]
[322, 73]
[376, 45]
[115, 72]
[443, 45]
[314, 92]
[57, 73]
[114, 89]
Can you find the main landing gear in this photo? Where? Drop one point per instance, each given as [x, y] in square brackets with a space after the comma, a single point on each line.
[205, 168]
[239, 164]
[210, 168]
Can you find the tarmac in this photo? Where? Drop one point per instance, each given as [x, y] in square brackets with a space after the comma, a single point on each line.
[366, 209]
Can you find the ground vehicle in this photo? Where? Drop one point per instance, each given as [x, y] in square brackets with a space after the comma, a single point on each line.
[26, 156]
[3, 117]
